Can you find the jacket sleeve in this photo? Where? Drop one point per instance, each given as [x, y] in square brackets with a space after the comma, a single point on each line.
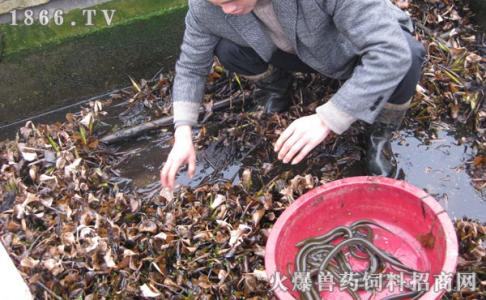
[192, 68]
[385, 57]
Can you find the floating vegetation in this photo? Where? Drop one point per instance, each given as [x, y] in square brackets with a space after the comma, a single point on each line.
[453, 84]
[75, 229]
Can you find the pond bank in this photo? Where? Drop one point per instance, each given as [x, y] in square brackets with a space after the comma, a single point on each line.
[49, 67]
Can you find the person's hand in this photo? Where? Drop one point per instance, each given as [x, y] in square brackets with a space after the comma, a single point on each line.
[303, 135]
[182, 152]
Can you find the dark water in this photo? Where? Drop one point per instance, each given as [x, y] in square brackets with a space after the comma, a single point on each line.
[437, 166]
[149, 154]
[145, 160]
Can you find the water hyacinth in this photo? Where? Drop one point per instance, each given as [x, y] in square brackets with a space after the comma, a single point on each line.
[74, 228]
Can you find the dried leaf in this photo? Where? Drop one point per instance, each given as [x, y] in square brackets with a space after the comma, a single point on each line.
[27, 153]
[479, 161]
[260, 275]
[134, 205]
[246, 180]
[149, 292]
[161, 236]
[220, 199]
[238, 234]
[257, 216]
[110, 263]
[54, 266]
[29, 262]
[87, 120]
[148, 226]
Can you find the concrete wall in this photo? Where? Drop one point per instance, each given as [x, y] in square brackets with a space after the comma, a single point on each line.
[47, 67]
[8, 5]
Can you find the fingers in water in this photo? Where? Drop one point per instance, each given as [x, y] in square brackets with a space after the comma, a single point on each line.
[192, 166]
[172, 172]
[164, 173]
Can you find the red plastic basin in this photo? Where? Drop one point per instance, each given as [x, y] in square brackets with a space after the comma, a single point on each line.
[407, 211]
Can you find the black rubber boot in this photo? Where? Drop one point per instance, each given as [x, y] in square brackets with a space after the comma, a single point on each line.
[275, 90]
[379, 154]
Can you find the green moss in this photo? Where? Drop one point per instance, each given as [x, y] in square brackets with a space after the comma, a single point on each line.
[26, 38]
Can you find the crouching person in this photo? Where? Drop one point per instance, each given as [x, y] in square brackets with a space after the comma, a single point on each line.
[369, 44]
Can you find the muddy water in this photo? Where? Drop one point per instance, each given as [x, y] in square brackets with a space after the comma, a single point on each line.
[145, 159]
[436, 166]
[149, 154]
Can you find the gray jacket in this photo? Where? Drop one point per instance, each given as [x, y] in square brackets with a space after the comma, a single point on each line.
[358, 40]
